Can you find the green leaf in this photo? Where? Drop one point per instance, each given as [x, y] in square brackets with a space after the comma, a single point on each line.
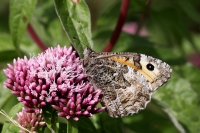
[179, 100]
[8, 126]
[54, 30]
[7, 101]
[107, 124]
[189, 9]
[51, 118]
[75, 19]
[168, 27]
[8, 56]
[6, 42]
[154, 119]
[109, 17]
[191, 73]
[20, 14]
[86, 125]
[72, 126]
[62, 128]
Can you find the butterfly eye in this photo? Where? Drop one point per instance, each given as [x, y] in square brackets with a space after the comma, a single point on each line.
[150, 67]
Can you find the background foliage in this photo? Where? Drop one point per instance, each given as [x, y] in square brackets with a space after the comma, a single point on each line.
[167, 29]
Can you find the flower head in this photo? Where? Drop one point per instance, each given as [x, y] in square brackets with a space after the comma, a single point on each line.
[30, 121]
[55, 76]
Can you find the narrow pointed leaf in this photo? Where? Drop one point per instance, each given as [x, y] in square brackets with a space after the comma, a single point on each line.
[75, 19]
[20, 14]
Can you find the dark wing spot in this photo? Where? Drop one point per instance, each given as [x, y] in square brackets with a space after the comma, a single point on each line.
[150, 67]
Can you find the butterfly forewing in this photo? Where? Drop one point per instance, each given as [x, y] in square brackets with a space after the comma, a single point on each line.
[127, 80]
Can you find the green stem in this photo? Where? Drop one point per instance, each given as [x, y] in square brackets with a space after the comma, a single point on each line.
[72, 126]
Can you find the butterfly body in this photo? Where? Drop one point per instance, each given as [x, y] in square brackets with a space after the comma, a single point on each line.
[127, 80]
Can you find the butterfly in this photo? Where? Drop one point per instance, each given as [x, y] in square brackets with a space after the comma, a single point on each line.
[127, 80]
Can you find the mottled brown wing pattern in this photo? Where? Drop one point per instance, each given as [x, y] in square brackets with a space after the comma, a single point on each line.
[127, 80]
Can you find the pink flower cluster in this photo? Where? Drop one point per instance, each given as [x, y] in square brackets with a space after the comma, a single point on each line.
[55, 77]
[30, 121]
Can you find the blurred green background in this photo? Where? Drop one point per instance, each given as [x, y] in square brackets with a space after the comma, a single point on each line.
[170, 30]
